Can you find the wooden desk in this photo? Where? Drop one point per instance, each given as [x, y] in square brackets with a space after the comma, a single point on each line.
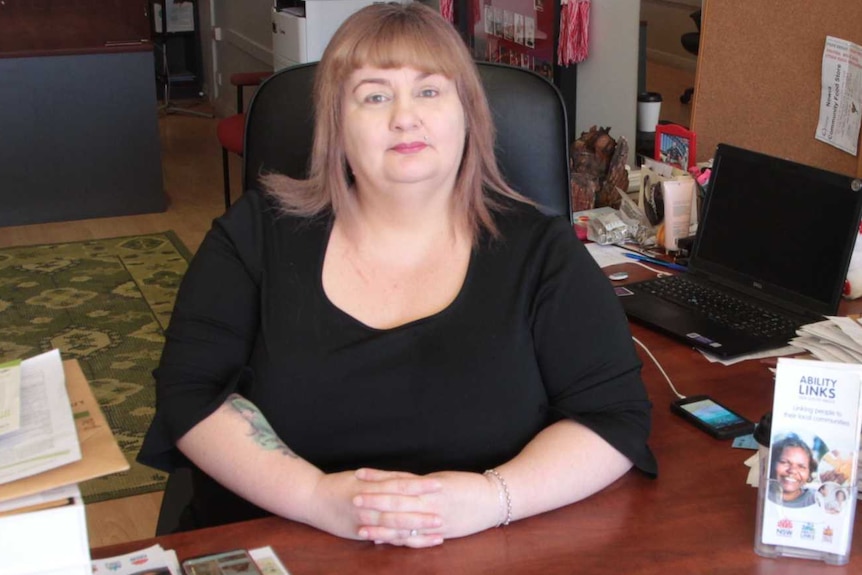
[698, 517]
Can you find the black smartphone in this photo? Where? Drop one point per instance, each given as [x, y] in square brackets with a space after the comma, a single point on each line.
[235, 562]
[712, 417]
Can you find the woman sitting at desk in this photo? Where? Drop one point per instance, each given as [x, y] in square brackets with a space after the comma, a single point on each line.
[351, 351]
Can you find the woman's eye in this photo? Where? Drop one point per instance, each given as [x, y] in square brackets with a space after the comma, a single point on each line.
[429, 92]
[375, 98]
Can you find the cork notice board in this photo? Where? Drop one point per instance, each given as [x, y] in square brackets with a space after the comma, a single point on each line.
[758, 77]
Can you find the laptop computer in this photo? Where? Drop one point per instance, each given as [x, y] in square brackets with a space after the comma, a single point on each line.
[775, 233]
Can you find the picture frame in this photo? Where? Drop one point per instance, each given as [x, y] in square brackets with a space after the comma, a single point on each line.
[675, 145]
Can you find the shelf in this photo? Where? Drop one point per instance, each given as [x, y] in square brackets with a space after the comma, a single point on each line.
[178, 61]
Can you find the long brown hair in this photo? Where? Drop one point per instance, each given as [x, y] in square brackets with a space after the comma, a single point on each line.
[394, 36]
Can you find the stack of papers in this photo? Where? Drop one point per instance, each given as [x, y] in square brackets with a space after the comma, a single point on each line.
[833, 339]
[47, 535]
[68, 432]
[40, 431]
[58, 438]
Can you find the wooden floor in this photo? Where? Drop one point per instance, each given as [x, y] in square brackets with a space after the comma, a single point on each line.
[191, 160]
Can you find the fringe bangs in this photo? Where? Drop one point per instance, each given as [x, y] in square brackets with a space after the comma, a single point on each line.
[402, 43]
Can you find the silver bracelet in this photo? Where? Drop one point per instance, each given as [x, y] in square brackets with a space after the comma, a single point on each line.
[505, 497]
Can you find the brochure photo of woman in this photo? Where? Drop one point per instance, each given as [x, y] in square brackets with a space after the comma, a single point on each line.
[793, 469]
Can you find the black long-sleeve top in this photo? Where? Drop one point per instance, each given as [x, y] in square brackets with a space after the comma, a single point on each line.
[534, 336]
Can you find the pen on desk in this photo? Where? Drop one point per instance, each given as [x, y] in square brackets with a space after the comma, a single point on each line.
[637, 250]
[656, 261]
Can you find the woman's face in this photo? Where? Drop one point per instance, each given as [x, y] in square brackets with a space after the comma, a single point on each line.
[402, 126]
[792, 471]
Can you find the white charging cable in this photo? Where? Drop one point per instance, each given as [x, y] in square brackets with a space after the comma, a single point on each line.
[660, 368]
[659, 273]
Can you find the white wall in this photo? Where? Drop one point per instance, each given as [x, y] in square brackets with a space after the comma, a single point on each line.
[246, 45]
[607, 79]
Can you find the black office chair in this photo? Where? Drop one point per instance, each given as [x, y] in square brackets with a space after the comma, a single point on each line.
[532, 152]
[529, 113]
[177, 495]
[691, 42]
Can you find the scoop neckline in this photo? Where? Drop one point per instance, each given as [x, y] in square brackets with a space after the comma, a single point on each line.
[418, 321]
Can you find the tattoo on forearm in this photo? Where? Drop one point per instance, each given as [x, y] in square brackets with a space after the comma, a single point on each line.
[261, 432]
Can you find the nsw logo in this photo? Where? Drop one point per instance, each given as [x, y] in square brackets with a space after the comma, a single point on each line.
[784, 528]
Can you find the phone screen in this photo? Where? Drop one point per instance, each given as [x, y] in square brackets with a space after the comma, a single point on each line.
[713, 414]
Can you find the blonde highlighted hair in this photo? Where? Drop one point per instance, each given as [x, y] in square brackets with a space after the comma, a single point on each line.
[395, 36]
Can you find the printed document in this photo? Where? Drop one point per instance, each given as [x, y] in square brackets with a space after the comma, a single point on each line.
[840, 95]
[10, 396]
[180, 16]
[47, 437]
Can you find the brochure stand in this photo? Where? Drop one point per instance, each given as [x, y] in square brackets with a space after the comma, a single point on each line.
[806, 498]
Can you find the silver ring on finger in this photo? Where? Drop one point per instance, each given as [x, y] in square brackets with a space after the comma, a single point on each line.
[414, 532]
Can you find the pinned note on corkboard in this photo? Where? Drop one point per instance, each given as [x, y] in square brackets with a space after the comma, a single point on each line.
[758, 77]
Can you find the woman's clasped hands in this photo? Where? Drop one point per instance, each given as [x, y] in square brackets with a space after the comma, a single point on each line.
[406, 509]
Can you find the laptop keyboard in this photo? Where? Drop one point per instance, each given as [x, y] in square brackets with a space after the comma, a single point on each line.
[722, 307]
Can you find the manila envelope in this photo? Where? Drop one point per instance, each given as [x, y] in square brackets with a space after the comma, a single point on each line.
[100, 454]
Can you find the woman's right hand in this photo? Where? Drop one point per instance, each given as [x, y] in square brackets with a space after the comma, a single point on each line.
[331, 507]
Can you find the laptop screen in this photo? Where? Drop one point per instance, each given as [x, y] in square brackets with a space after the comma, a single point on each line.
[778, 228]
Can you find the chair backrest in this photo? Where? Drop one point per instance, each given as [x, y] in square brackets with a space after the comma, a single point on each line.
[529, 114]
[279, 125]
[532, 135]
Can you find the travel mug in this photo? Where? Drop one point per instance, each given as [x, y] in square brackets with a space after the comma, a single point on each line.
[649, 108]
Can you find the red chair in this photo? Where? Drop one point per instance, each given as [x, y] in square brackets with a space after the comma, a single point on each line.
[231, 130]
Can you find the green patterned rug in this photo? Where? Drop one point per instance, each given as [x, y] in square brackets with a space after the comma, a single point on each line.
[105, 303]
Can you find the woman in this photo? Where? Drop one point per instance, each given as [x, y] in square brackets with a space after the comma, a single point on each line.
[793, 467]
[400, 348]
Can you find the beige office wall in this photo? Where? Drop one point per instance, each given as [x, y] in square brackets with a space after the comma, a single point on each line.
[245, 45]
[607, 79]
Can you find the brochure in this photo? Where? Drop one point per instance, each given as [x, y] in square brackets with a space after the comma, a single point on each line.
[814, 445]
[154, 560]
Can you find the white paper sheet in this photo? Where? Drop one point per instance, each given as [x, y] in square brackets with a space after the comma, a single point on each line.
[180, 16]
[10, 397]
[840, 95]
[764, 354]
[49, 541]
[607, 255]
[47, 437]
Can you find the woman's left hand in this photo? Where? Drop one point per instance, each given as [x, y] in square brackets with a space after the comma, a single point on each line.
[466, 503]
